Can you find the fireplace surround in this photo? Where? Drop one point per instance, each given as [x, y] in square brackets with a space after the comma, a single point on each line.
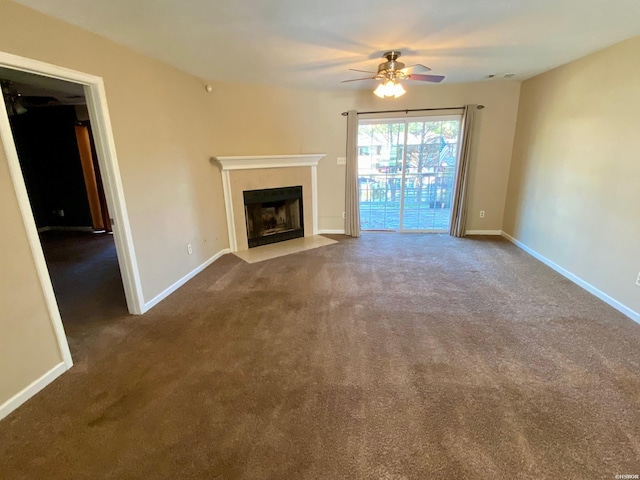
[246, 173]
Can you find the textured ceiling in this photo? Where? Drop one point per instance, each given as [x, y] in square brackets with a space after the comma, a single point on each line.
[312, 44]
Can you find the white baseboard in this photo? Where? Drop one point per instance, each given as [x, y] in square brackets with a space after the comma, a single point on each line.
[331, 231]
[622, 308]
[483, 232]
[169, 290]
[34, 387]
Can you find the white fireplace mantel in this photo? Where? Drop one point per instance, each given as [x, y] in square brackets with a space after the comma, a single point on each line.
[227, 164]
[268, 161]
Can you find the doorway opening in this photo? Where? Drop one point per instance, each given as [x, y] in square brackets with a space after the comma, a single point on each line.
[406, 172]
[52, 134]
[95, 95]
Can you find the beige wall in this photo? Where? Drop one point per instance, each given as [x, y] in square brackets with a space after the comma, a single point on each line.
[252, 120]
[28, 346]
[574, 185]
[160, 118]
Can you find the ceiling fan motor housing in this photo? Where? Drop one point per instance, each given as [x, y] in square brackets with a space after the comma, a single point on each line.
[391, 68]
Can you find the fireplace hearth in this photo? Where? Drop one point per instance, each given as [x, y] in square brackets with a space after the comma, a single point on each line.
[273, 215]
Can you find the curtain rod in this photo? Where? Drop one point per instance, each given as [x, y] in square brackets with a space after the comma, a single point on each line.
[480, 107]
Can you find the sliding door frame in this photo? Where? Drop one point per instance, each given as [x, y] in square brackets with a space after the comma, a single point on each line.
[415, 117]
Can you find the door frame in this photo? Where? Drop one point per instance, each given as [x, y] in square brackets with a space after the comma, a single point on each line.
[415, 117]
[105, 146]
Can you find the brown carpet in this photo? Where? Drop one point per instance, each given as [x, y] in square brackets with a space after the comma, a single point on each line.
[86, 280]
[386, 357]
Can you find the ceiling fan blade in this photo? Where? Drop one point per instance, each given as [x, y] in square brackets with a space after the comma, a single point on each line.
[358, 79]
[363, 71]
[427, 78]
[415, 68]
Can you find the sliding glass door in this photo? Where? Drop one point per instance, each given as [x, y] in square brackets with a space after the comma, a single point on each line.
[406, 173]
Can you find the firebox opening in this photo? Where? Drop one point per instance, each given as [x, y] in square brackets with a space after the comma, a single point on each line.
[273, 215]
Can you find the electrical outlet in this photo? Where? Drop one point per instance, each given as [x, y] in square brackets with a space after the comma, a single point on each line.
[638, 280]
[342, 160]
[344, 214]
[189, 249]
[481, 213]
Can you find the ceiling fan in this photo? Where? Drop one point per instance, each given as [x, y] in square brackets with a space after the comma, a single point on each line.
[391, 71]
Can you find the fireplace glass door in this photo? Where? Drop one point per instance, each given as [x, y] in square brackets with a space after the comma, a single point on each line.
[273, 215]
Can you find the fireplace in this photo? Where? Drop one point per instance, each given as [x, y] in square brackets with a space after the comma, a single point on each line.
[248, 173]
[273, 215]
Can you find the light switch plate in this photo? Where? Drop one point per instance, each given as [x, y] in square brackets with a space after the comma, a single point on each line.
[342, 160]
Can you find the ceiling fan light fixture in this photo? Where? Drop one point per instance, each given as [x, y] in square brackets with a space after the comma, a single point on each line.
[380, 91]
[19, 108]
[398, 90]
[389, 88]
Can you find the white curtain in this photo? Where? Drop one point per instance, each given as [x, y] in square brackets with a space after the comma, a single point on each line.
[459, 208]
[352, 200]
